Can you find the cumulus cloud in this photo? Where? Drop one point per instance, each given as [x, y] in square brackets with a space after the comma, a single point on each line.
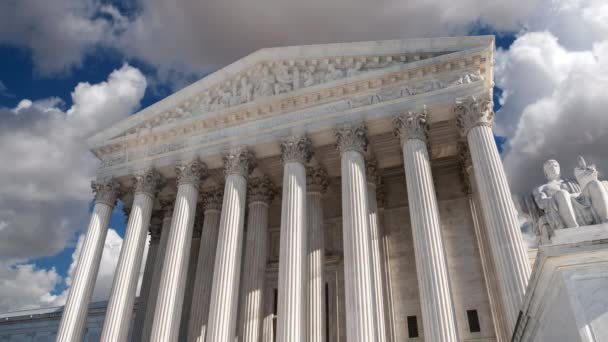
[58, 33]
[24, 286]
[203, 36]
[554, 83]
[45, 191]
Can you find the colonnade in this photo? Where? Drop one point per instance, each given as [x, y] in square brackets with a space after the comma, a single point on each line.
[222, 285]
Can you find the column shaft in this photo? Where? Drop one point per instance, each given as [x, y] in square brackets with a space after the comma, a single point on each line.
[377, 260]
[199, 311]
[507, 246]
[360, 312]
[256, 248]
[156, 274]
[73, 319]
[173, 279]
[144, 293]
[316, 268]
[226, 271]
[124, 287]
[431, 267]
[291, 324]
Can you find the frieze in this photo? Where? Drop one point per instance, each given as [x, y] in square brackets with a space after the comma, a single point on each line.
[278, 77]
[384, 94]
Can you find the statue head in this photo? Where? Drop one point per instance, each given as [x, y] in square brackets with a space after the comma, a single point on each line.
[551, 168]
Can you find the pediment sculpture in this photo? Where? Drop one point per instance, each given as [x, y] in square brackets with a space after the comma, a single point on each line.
[279, 77]
[564, 203]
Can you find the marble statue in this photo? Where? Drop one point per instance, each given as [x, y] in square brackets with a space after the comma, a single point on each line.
[563, 202]
[594, 194]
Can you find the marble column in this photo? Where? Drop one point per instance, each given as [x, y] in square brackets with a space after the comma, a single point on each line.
[431, 267]
[291, 316]
[172, 285]
[316, 185]
[73, 319]
[201, 294]
[124, 287]
[487, 263]
[475, 118]
[226, 271]
[260, 192]
[191, 279]
[156, 223]
[360, 305]
[167, 214]
[387, 286]
[376, 249]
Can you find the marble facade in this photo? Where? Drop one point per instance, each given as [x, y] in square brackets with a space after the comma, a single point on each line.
[341, 192]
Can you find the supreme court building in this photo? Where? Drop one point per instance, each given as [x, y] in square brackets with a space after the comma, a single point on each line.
[343, 192]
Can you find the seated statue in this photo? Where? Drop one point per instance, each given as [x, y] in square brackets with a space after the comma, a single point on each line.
[556, 197]
[564, 204]
[594, 194]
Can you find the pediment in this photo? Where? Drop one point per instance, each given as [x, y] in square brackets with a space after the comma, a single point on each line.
[279, 80]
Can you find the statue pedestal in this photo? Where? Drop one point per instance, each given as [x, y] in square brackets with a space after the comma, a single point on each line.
[567, 296]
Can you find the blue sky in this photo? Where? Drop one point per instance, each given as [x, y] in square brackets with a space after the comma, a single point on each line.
[62, 64]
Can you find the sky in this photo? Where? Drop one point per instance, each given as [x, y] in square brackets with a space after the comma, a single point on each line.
[70, 68]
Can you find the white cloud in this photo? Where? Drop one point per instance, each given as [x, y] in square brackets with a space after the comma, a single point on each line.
[58, 33]
[24, 286]
[554, 82]
[45, 186]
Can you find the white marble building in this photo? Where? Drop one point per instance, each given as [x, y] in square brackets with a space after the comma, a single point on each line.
[344, 192]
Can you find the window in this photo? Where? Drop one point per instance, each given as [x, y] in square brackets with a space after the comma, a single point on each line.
[412, 326]
[473, 321]
[326, 311]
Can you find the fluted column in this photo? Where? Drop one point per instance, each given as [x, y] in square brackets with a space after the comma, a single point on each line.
[192, 266]
[291, 324]
[124, 287]
[226, 271]
[487, 263]
[167, 213]
[155, 230]
[360, 306]
[316, 185]
[376, 250]
[431, 266]
[475, 118]
[201, 294]
[389, 313]
[260, 193]
[170, 299]
[73, 319]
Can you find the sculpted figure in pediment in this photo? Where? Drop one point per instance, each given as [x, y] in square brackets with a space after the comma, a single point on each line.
[265, 83]
[284, 79]
[333, 73]
[309, 76]
[355, 69]
[246, 92]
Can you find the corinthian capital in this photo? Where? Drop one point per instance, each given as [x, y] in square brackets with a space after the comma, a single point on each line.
[148, 182]
[191, 172]
[239, 161]
[296, 149]
[412, 125]
[106, 191]
[352, 138]
[212, 199]
[473, 111]
[316, 179]
[260, 189]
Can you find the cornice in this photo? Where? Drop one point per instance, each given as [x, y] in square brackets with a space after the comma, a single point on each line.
[375, 86]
